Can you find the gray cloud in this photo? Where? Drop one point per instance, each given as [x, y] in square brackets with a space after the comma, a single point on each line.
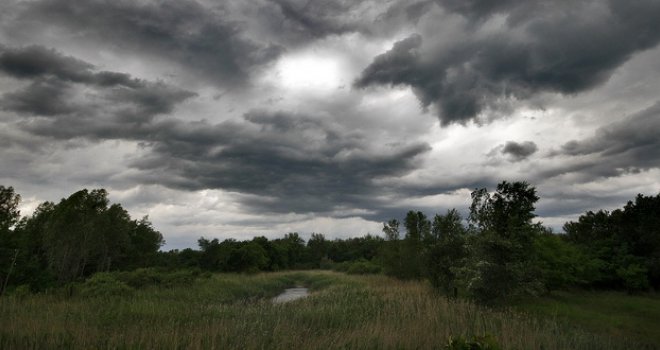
[540, 48]
[294, 23]
[629, 145]
[292, 162]
[45, 97]
[318, 19]
[519, 151]
[289, 161]
[199, 38]
[37, 61]
[58, 81]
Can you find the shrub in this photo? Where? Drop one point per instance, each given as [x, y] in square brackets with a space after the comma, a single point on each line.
[140, 278]
[634, 277]
[21, 291]
[362, 267]
[145, 277]
[342, 266]
[104, 284]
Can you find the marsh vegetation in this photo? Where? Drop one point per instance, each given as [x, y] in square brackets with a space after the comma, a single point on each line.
[235, 311]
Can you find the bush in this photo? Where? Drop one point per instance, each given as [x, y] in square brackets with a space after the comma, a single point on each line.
[145, 277]
[326, 264]
[179, 277]
[104, 284]
[362, 267]
[634, 277]
[140, 278]
[359, 267]
[21, 291]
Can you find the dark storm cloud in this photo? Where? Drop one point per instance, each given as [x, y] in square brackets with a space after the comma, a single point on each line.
[479, 10]
[200, 38]
[37, 61]
[289, 162]
[562, 47]
[78, 101]
[45, 97]
[292, 162]
[629, 145]
[519, 151]
[317, 19]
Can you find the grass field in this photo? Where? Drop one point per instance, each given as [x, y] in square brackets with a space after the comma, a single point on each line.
[234, 311]
[614, 313]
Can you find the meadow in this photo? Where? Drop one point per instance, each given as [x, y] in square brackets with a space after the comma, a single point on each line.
[224, 311]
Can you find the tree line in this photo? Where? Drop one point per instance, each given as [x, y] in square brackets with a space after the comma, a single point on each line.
[71, 240]
[84, 234]
[496, 253]
[499, 253]
[262, 254]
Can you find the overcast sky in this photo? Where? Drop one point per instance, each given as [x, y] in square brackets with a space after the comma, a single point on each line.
[239, 118]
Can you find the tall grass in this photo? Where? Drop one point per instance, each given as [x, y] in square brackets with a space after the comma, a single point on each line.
[615, 313]
[234, 311]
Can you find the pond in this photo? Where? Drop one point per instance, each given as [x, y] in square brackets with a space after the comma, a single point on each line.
[291, 294]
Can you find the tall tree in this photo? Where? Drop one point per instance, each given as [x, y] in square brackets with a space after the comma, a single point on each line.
[9, 245]
[624, 244]
[418, 230]
[71, 235]
[391, 251]
[318, 248]
[9, 213]
[446, 251]
[502, 245]
[145, 241]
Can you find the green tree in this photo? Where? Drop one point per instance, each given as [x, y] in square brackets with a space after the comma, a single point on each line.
[250, 257]
[562, 264]
[32, 263]
[446, 251]
[639, 229]
[294, 246]
[318, 248]
[70, 236]
[9, 213]
[82, 235]
[624, 244]
[74, 238]
[145, 242]
[501, 248]
[213, 257]
[391, 255]
[9, 245]
[418, 230]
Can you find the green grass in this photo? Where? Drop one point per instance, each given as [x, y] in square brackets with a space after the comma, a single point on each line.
[615, 313]
[234, 311]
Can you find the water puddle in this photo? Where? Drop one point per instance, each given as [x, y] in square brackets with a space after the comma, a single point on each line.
[291, 294]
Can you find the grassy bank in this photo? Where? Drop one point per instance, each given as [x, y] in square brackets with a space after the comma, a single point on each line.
[234, 311]
[614, 313]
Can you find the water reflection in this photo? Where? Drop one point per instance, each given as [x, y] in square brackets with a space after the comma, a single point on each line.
[291, 294]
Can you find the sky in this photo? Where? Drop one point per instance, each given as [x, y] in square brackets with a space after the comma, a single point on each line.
[231, 118]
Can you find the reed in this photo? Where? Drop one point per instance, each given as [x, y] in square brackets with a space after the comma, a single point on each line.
[234, 311]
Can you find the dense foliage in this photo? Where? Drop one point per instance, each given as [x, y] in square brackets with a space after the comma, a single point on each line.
[261, 254]
[71, 240]
[500, 253]
[496, 253]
